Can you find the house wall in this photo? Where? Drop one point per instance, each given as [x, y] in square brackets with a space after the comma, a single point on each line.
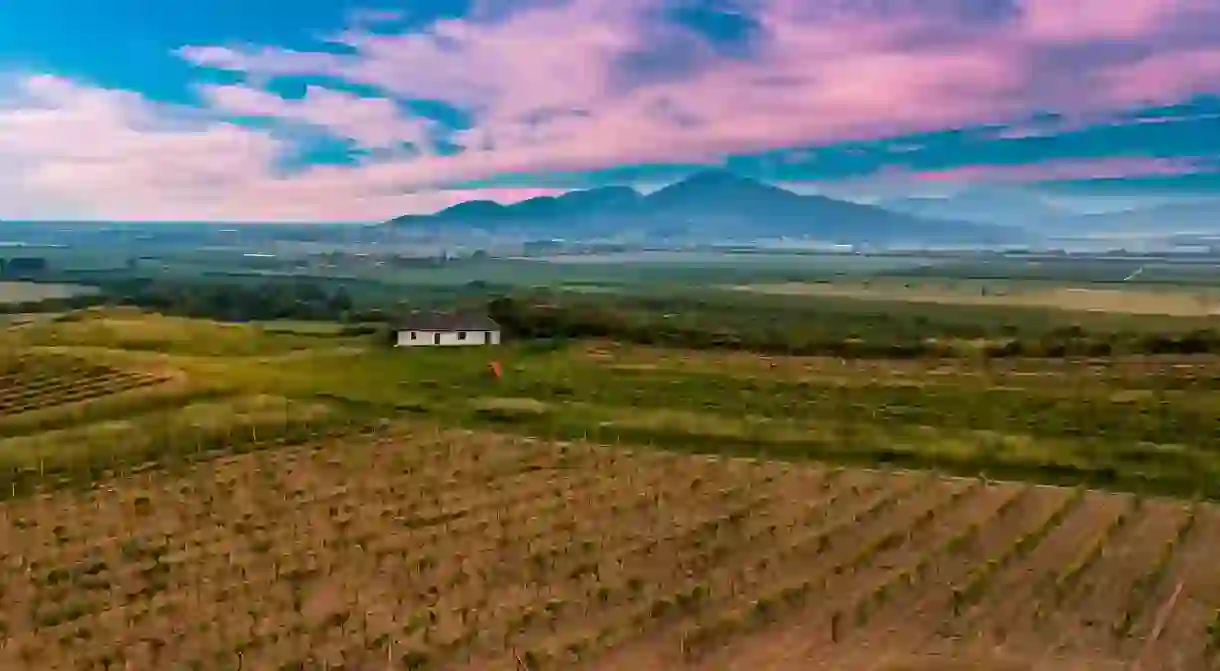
[446, 338]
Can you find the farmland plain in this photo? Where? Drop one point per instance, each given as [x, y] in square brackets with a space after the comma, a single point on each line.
[1169, 301]
[288, 496]
[23, 292]
[420, 547]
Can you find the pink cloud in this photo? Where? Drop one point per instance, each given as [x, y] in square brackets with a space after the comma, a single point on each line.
[1165, 75]
[1104, 168]
[269, 61]
[824, 73]
[836, 73]
[73, 151]
[1059, 21]
[503, 72]
[1080, 122]
[371, 122]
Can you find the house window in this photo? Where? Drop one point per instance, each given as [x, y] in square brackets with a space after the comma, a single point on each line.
[461, 335]
[414, 335]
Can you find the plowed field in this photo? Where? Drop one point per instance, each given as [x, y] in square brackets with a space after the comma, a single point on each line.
[422, 548]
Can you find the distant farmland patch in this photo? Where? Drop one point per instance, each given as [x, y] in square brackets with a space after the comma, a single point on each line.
[1177, 302]
[26, 292]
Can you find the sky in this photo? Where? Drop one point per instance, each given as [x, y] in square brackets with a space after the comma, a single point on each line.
[330, 110]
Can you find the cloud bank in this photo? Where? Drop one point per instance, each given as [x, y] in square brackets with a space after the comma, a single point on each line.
[555, 86]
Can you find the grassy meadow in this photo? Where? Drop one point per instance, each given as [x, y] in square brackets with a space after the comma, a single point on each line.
[282, 495]
[1133, 423]
[884, 472]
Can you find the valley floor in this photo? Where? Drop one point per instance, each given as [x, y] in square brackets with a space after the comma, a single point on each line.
[220, 496]
[428, 548]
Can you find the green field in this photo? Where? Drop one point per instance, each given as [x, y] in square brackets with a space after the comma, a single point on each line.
[28, 292]
[1134, 423]
[962, 363]
[657, 480]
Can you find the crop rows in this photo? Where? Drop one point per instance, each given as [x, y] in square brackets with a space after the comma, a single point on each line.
[977, 583]
[35, 382]
[1145, 585]
[428, 549]
[1070, 576]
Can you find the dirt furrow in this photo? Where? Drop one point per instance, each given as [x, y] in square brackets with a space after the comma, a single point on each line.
[1012, 616]
[903, 624]
[815, 563]
[1094, 622]
[1181, 643]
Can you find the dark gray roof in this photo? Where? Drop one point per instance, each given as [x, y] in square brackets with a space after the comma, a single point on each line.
[436, 321]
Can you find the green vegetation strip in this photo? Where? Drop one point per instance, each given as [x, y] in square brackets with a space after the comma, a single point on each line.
[85, 453]
[1119, 423]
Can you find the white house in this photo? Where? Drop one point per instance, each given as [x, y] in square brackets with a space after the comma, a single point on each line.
[442, 330]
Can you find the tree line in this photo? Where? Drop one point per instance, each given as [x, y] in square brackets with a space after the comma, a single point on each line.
[223, 301]
[22, 266]
[711, 325]
[847, 328]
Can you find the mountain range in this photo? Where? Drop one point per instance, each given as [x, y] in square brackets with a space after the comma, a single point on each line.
[1012, 206]
[986, 204]
[707, 206]
[1201, 216]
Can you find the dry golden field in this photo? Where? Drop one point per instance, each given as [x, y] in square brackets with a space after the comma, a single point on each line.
[1175, 302]
[428, 548]
[35, 382]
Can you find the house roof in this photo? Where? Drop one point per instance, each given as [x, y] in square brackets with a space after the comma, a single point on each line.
[436, 321]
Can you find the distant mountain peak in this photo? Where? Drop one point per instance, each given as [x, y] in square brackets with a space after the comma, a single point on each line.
[715, 175]
[613, 192]
[474, 207]
[610, 188]
[719, 178]
[713, 204]
[716, 184]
